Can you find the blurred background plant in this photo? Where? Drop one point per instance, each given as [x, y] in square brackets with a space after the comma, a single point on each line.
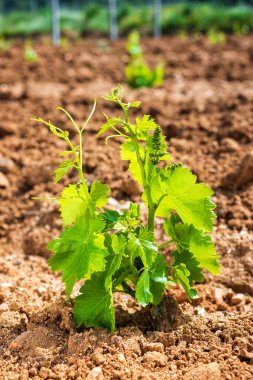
[216, 37]
[5, 44]
[30, 54]
[32, 17]
[138, 73]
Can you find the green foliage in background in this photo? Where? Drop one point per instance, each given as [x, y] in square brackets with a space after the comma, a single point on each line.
[93, 18]
[5, 44]
[138, 73]
[216, 38]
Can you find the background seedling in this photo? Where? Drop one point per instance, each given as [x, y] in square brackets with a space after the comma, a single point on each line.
[116, 252]
[216, 37]
[5, 44]
[30, 54]
[138, 73]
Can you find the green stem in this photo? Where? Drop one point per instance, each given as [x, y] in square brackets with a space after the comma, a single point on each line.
[72, 148]
[165, 243]
[128, 289]
[81, 157]
[121, 277]
[90, 115]
[79, 168]
[147, 189]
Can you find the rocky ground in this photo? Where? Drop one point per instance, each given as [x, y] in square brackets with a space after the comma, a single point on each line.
[206, 111]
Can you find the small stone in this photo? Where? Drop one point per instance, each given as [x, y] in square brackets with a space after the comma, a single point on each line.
[237, 298]
[95, 374]
[156, 358]
[229, 145]
[19, 341]
[13, 92]
[6, 285]
[242, 175]
[17, 90]
[158, 347]
[7, 128]
[43, 89]
[3, 308]
[14, 306]
[44, 372]
[218, 295]
[71, 373]
[24, 375]
[98, 358]
[6, 165]
[121, 358]
[209, 371]
[33, 371]
[131, 345]
[244, 354]
[3, 181]
[200, 311]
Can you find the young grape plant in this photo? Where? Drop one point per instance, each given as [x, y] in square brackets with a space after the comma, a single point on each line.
[30, 54]
[138, 73]
[116, 252]
[216, 37]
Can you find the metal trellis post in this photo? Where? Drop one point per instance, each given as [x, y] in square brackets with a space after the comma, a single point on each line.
[157, 18]
[113, 19]
[55, 11]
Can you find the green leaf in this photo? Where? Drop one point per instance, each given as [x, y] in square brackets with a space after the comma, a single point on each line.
[158, 270]
[65, 153]
[78, 251]
[129, 219]
[99, 194]
[142, 290]
[157, 289]
[73, 203]
[133, 214]
[191, 201]
[143, 246]
[116, 94]
[158, 279]
[128, 152]
[152, 282]
[181, 275]
[144, 126]
[110, 123]
[116, 245]
[63, 169]
[145, 123]
[135, 104]
[190, 263]
[136, 171]
[94, 307]
[55, 130]
[198, 243]
[110, 217]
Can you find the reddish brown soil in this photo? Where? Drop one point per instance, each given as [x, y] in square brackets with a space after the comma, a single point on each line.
[206, 110]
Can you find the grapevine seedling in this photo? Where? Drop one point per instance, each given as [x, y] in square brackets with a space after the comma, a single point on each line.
[116, 252]
[30, 54]
[138, 73]
[5, 44]
[216, 37]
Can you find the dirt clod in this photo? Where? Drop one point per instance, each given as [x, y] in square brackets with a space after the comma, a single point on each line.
[242, 175]
[4, 181]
